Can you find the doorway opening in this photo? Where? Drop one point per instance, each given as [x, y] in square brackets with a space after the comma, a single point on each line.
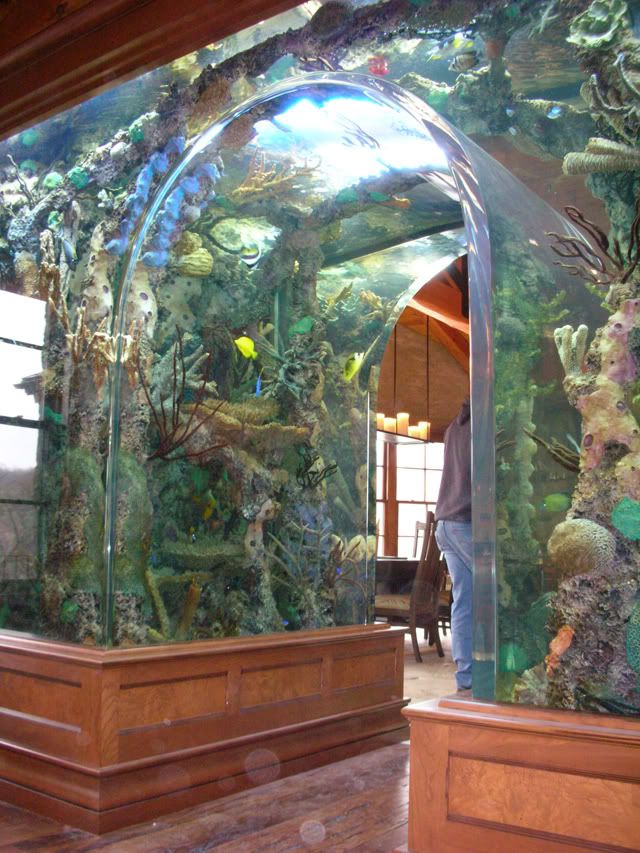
[424, 377]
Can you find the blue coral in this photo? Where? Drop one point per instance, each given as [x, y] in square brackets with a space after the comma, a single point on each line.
[155, 259]
[117, 246]
[190, 184]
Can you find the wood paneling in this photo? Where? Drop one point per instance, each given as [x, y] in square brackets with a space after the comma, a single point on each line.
[54, 54]
[149, 730]
[488, 777]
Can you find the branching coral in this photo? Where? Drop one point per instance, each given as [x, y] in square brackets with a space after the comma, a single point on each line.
[262, 182]
[175, 428]
[600, 266]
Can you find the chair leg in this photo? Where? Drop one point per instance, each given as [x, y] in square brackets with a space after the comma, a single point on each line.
[435, 635]
[414, 640]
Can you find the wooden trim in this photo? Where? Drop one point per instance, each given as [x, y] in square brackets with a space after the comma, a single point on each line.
[54, 55]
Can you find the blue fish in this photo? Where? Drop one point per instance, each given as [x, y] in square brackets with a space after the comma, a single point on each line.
[510, 111]
[259, 384]
[155, 259]
[554, 112]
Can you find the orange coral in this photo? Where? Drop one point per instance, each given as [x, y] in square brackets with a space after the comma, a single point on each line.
[558, 646]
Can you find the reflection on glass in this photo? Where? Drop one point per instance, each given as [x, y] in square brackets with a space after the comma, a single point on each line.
[20, 381]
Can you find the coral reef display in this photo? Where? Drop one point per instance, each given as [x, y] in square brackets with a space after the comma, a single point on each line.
[216, 308]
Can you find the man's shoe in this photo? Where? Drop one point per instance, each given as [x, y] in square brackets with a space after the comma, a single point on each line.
[464, 691]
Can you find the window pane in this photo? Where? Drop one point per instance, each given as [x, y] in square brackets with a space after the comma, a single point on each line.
[380, 507]
[410, 484]
[18, 542]
[433, 485]
[405, 547]
[379, 483]
[410, 455]
[408, 514]
[22, 318]
[18, 460]
[435, 455]
[380, 551]
[20, 381]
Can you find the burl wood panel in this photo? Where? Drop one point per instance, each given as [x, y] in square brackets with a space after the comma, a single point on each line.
[520, 796]
[103, 738]
[488, 777]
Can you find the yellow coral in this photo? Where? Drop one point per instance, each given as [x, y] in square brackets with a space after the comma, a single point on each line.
[198, 263]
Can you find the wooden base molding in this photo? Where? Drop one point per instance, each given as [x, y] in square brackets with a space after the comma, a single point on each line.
[487, 777]
[101, 739]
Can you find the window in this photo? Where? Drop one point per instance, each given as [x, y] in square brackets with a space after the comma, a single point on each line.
[22, 324]
[407, 484]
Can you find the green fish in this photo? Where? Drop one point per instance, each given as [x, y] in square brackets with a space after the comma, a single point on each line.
[246, 346]
[556, 502]
[352, 365]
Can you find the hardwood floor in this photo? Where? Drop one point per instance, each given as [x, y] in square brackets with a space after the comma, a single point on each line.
[358, 804]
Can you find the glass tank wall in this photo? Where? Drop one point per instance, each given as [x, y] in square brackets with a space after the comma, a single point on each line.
[191, 326]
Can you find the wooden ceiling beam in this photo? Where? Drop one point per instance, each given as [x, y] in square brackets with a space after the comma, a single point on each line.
[447, 317]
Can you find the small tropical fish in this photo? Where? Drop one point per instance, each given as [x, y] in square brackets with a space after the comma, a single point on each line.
[250, 255]
[246, 346]
[464, 61]
[510, 111]
[557, 502]
[450, 47]
[352, 365]
[513, 131]
[209, 507]
[69, 253]
[259, 384]
[554, 112]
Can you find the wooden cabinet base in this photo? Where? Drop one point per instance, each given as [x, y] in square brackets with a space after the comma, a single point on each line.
[101, 739]
[487, 777]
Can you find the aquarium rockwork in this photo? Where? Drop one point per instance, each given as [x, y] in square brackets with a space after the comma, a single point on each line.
[200, 272]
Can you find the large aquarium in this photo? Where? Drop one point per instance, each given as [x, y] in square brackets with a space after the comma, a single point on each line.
[201, 270]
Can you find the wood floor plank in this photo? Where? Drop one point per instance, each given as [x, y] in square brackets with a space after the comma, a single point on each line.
[355, 802]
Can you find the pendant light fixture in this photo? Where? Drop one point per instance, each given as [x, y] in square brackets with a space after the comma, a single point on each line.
[398, 429]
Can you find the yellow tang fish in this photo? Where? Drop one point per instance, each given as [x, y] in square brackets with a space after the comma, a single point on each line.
[352, 365]
[246, 346]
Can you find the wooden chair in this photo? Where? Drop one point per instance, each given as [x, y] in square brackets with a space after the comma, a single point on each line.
[420, 608]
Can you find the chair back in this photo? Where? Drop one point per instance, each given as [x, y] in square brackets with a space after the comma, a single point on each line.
[421, 527]
[425, 593]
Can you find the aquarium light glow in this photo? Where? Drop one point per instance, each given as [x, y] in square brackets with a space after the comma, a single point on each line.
[359, 137]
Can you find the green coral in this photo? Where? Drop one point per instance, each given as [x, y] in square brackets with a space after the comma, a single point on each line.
[599, 24]
[633, 639]
[78, 177]
[134, 525]
[626, 518]
[28, 138]
[29, 167]
[68, 611]
[52, 181]
[136, 132]
[513, 658]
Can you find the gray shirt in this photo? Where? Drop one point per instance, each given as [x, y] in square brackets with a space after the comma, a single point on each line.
[454, 497]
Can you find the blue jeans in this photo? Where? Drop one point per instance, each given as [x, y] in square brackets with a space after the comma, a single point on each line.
[454, 540]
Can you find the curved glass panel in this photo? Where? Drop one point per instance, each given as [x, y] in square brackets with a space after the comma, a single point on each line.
[268, 266]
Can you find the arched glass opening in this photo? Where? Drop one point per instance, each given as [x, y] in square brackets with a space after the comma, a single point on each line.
[258, 400]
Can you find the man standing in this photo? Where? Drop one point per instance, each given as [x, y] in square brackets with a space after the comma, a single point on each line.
[453, 535]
